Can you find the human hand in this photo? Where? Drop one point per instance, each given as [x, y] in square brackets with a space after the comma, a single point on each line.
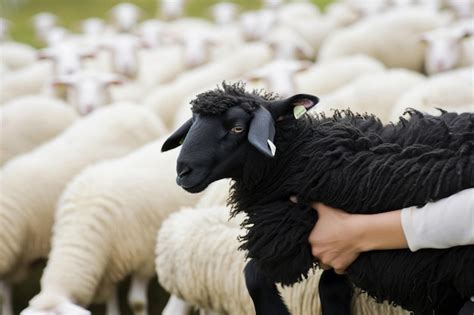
[334, 238]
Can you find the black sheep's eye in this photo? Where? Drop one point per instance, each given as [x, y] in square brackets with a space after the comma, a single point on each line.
[237, 129]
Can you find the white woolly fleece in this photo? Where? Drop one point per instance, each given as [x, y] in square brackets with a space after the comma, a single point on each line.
[32, 183]
[392, 38]
[373, 93]
[31, 120]
[451, 91]
[327, 76]
[166, 100]
[198, 261]
[116, 207]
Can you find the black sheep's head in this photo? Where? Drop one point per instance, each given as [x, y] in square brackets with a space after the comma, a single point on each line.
[228, 122]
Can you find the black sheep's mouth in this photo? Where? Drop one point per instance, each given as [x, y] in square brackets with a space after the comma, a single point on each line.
[193, 186]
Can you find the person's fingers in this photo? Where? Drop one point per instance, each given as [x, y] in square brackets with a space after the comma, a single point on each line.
[324, 266]
[294, 199]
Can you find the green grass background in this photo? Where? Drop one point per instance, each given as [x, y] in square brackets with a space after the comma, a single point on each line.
[71, 12]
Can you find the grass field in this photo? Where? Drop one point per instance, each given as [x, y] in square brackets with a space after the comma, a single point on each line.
[70, 12]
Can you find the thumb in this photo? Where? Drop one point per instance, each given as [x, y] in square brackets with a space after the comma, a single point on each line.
[320, 208]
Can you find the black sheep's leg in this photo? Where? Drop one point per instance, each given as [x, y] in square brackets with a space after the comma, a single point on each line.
[263, 292]
[335, 293]
[467, 309]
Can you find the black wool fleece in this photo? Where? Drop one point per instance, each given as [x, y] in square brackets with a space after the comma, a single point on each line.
[355, 163]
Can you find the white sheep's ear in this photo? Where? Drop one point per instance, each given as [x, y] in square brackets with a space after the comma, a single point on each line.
[177, 138]
[293, 107]
[262, 132]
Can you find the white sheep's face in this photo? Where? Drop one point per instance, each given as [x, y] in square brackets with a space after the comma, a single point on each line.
[42, 22]
[92, 26]
[442, 52]
[172, 9]
[124, 54]
[88, 91]
[224, 13]
[150, 32]
[125, 16]
[67, 58]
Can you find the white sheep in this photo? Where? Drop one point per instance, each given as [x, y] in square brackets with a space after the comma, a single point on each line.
[198, 261]
[303, 298]
[257, 24]
[150, 31]
[374, 93]
[451, 91]
[32, 183]
[448, 47]
[124, 202]
[67, 57]
[171, 9]
[315, 30]
[4, 29]
[56, 35]
[160, 65]
[88, 90]
[288, 44]
[224, 13]
[42, 22]
[16, 55]
[327, 76]
[125, 16]
[391, 38]
[164, 101]
[279, 75]
[92, 26]
[123, 50]
[30, 121]
[30, 80]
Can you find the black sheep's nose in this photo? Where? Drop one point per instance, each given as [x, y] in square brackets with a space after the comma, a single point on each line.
[185, 171]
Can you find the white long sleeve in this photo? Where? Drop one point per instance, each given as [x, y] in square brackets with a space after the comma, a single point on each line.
[445, 223]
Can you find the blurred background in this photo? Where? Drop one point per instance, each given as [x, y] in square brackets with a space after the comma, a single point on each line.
[72, 12]
[64, 63]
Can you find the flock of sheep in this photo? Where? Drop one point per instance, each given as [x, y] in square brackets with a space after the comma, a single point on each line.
[83, 181]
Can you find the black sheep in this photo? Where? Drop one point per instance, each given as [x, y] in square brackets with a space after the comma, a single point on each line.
[348, 161]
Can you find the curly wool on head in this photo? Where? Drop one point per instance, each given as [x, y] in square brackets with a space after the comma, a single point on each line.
[355, 163]
[217, 101]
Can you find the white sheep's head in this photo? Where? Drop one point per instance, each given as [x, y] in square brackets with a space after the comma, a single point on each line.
[4, 29]
[279, 75]
[227, 126]
[42, 22]
[125, 16]
[151, 31]
[256, 24]
[123, 49]
[92, 26]
[88, 91]
[66, 57]
[172, 9]
[224, 13]
[443, 49]
[56, 35]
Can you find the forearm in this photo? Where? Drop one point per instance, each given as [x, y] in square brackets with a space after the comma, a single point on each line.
[442, 224]
[381, 231]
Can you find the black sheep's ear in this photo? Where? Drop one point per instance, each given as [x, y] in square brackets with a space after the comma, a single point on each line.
[293, 107]
[177, 138]
[262, 132]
